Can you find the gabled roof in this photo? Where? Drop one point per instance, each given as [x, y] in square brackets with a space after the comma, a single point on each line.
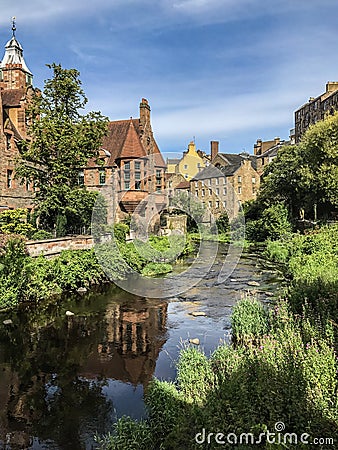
[232, 163]
[272, 151]
[123, 140]
[208, 172]
[12, 97]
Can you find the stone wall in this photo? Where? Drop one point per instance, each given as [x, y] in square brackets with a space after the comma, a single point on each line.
[53, 247]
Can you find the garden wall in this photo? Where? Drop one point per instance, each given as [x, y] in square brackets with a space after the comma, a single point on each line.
[53, 247]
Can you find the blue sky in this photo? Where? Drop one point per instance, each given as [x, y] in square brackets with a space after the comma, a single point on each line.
[227, 70]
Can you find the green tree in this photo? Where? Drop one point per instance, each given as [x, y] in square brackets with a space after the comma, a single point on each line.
[319, 149]
[283, 182]
[16, 221]
[61, 141]
[305, 176]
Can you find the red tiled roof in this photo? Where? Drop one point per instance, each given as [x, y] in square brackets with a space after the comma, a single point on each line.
[183, 185]
[116, 137]
[132, 146]
[12, 97]
[123, 140]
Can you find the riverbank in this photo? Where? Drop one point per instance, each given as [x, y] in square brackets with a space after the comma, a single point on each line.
[27, 280]
[280, 376]
[83, 371]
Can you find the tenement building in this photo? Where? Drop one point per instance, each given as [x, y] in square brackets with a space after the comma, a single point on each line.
[15, 91]
[316, 109]
[228, 182]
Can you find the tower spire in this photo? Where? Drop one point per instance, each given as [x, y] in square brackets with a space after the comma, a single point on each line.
[13, 26]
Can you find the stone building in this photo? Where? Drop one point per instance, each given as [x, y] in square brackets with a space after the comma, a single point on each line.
[192, 162]
[266, 151]
[316, 109]
[129, 166]
[227, 183]
[15, 91]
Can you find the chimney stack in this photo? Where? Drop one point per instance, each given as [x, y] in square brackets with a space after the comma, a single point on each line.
[214, 149]
[144, 112]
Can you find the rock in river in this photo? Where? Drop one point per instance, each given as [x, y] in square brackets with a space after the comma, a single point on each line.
[194, 341]
[198, 313]
[253, 283]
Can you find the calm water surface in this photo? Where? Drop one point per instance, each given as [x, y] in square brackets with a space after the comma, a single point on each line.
[64, 379]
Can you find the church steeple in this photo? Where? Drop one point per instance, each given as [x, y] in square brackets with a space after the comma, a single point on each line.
[14, 73]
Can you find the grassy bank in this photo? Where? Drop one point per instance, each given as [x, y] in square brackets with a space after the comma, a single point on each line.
[281, 368]
[26, 279]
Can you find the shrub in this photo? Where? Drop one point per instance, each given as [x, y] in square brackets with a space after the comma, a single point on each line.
[16, 222]
[41, 234]
[249, 320]
[120, 231]
[273, 224]
[153, 269]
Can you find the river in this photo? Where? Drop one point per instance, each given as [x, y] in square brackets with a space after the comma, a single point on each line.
[65, 378]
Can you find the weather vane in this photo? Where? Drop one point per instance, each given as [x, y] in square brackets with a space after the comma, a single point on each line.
[13, 25]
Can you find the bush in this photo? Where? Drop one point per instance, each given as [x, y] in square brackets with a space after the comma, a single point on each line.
[120, 231]
[15, 221]
[273, 224]
[40, 235]
[283, 377]
[153, 269]
[249, 320]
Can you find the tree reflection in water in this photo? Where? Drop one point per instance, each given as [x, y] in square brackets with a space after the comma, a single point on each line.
[55, 370]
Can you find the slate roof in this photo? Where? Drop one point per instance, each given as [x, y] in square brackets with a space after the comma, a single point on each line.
[272, 151]
[232, 164]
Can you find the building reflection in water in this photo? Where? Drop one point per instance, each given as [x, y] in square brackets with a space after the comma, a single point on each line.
[133, 339]
[53, 368]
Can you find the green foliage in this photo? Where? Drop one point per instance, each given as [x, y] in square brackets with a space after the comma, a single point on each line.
[15, 221]
[287, 375]
[273, 224]
[61, 225]
[305, 175]
[61, 142]
[26, 279]
[277, 251]
[40, 235]
[127, 434]
[249, 320]
[12, 259]
[73, 269]
[152, 269]
[222, 223]
[120, 231]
